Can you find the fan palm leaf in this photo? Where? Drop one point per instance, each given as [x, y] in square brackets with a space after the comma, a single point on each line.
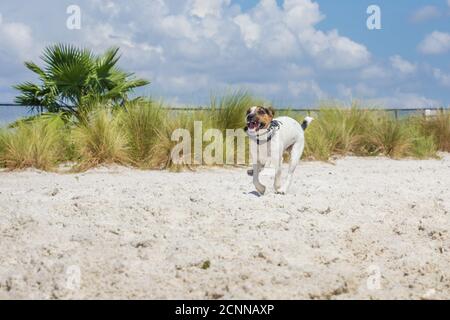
[72, 77]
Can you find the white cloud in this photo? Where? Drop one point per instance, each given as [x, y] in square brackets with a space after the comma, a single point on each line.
[359, 91]
[251, 32]
[331, 51]
[401, 65]
[425, 13]
[306, 89]
[435, 43]
[373, 72]
[16, 37]
[108, 7]
[189, 49]
[301, 14]
[205, 8]
[405, 100]
[442, 77]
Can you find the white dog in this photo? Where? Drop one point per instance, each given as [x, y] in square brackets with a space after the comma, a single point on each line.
[269, 139]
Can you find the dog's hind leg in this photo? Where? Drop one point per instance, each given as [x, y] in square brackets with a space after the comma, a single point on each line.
[278, 163]
[296, 153]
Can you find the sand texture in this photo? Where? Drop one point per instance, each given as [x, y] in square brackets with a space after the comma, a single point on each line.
[369, 228]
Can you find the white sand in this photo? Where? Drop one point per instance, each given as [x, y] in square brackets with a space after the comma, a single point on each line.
[144, 234]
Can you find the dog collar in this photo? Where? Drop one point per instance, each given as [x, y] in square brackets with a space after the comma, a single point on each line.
[273, 127]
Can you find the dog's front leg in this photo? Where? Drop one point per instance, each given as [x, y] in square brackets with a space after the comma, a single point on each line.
[258, 185]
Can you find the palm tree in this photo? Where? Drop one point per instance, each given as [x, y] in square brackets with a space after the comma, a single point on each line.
[74, 77]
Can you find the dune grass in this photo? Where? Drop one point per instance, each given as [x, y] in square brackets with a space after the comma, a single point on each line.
[337, 131]
[162, 149]
[356, 131]
[40, 143]
[438, 127]
[141, 122]
[389, 137]
[141, 134]
[228, 112]
[100, 139]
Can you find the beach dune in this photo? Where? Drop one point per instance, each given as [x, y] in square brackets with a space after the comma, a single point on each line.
[366, 228]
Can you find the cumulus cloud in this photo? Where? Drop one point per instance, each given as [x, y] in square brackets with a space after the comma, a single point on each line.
[291, 30]
[405, 100]
[360, 91]
[425, 13]
[401, 65]
[251, 31]
[270, 44]
[17, 45]
[204, 8]
[17, 37]
[189, 49]
[307, 88]
[442, 77]
[374, 72]
[435, 43]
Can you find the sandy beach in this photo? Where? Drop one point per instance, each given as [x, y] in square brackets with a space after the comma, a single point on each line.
[367, 228]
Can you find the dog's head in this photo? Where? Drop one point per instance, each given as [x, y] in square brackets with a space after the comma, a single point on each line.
[258, 118]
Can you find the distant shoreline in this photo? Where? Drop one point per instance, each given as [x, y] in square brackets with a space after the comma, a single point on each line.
[10, 113]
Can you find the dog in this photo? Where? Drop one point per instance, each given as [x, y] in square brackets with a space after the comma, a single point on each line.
[270, 138]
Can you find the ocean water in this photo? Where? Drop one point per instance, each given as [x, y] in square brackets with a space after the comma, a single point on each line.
[9, 114]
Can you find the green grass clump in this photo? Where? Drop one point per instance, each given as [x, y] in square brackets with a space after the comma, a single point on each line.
[140, 133]
[355, 131]
[40, 143]
[228, 112]
[439, 128]
[337, 131]
[100, 139]
[141, 121]
[389, 137]
[161, 152]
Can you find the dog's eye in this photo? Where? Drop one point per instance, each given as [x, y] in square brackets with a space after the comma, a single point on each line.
[261, 111]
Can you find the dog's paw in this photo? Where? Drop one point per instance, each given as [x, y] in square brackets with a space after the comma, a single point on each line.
[281, 192]
[261, 190]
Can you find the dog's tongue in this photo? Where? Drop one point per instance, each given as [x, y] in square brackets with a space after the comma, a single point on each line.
[252, 125]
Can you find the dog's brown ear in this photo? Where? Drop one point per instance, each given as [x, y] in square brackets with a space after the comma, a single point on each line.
[270, 111]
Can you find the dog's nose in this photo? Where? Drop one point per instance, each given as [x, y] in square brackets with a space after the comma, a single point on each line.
[251, 117]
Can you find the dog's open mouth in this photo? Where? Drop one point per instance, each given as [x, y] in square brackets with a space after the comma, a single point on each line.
[255, 125]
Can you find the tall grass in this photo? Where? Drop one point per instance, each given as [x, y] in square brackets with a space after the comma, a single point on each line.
[140, 134]
[228, 112]
[40, 143]
[100, 139]
[342, 131]
[338, 131]
[389, 137]
[141, 121]
[162, 151]
[439, 128]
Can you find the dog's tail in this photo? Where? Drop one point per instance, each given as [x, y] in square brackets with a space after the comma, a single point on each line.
[307, 122]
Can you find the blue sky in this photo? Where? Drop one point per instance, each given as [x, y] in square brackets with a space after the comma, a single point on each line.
[292, 53]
